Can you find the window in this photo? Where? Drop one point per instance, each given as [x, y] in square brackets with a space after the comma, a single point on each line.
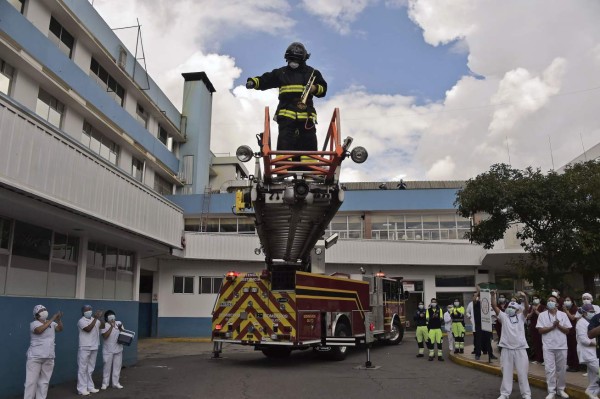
[210, 285]
[49, 108]
[125, 261]
[165, 138]
[30, 260]
[65, 248]
[137, 169]
[98, 143]
[4, 233]
[107, 82]
[63, 39]
[6, 76]
[141, 116]
[454, 281]
[162, 186]
[18, 4]
[183, 285]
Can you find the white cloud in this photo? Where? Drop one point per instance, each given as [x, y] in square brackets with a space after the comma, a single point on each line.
[442, 169]
[337, 14]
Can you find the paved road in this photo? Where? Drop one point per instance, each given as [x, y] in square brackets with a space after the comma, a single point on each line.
[244, 373]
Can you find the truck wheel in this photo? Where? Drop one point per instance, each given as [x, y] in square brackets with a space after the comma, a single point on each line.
[339, 352]
[396, 334]
[276, 352]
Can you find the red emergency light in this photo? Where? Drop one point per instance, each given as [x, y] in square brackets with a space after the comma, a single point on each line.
[380, 274]
[218, 327]
[231, 275]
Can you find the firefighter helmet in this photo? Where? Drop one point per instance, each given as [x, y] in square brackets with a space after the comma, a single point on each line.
[296, 52]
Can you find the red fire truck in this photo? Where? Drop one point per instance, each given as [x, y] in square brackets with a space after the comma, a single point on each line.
[280, 311]
[293, 304]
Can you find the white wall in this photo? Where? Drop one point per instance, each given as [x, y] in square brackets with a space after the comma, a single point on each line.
[38, 15]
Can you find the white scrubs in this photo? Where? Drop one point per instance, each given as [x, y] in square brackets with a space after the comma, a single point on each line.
[514, 354]
[555, 349]
[86, 356]
[40, 361]
[586, 351]
[448, 328]
[112, 354]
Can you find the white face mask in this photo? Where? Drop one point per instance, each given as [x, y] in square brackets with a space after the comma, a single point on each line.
[587, 301]
[293, 64]
[502, 300]
[568, 304]
[43, 315]
[456, 304]
[589, 316]
[536, 301]
[88, 314]
[511, 311]
[111, 317]
[421, 307]
[554, 293]
[551, 305]
[434, 304]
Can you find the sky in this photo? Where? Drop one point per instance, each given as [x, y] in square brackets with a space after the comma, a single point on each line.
[433, 89]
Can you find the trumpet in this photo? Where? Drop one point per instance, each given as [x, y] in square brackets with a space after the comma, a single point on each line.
[302, 103]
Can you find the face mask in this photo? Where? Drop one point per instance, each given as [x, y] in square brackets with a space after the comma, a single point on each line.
[589, 316]
[293, 64]
[88, 314]
[554, 293]
[43, 315]
[511, 311]
[587, 301]
[568, 304]
[551, 305]
[433, 304]
[536, 301]
[111, 317]
[421, 307]
[501, 300]
[456, 304]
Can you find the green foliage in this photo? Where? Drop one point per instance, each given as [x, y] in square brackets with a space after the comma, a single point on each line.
[558, 217]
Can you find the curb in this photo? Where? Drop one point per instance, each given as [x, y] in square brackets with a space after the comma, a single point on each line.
[573, 391]
[182, 339]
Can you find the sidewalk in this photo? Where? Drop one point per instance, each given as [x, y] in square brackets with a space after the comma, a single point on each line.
[576, 382]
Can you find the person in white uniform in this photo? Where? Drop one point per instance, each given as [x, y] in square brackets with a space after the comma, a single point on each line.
[112, 351]
[89, 340]
[448, 327]
[586, 298]
[586, 349]
[554, 325]
[514, 346]
[40, 355]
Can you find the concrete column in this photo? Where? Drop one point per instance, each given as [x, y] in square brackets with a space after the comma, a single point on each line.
[197, 110]
[136, 277]
[81, 268]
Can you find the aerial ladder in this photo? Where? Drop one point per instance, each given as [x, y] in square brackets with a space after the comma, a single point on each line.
[293, 195]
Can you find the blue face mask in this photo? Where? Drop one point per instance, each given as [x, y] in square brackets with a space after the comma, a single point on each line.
[88, 314]
[551, 305]
[511, 312]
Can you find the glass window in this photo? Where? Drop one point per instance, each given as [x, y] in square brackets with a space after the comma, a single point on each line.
[162, 186]
[95, 255]
[210, 285]
[246, 226]
[212, 225]
[454, 281]
[125, 261]
[63, 39]
[4, 233]
[228, 226]
[107, 82]
[137, 169]
[49, 108]
[183, 285]
[6, 76]
[31, 241]
[30, 260]
[165, 137]
[65, 247]
[99, 143]
[142, 116]
[192, 224]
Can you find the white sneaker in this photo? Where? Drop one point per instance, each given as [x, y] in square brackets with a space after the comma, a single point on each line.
[84, 393]
[93, 390]
[562, 394]
[591, 394]
[103, 387]
[550, 396]
[502, 397]
[118, 386]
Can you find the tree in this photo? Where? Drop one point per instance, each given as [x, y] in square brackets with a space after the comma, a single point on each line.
[558, 217]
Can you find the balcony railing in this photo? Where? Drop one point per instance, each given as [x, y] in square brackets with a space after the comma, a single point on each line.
[38, 159]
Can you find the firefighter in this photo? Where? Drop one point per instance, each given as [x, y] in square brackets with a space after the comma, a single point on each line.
[421, 323]
[458, 326]
[297, 130]
[434, 318]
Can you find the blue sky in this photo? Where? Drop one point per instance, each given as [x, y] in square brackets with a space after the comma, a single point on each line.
[434, 89]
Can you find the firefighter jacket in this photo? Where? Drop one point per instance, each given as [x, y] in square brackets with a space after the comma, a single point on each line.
[458, 314]
[291, 83]
[419, 318]
[435, 318]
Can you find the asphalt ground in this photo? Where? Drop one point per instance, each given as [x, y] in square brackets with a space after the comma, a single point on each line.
[186, 369]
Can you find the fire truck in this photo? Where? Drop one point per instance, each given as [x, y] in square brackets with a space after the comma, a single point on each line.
[292, 304]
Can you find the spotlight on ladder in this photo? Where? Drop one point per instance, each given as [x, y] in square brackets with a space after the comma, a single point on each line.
[244, 153]
[359, 154]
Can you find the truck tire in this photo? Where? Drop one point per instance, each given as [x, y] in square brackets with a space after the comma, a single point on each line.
[276, 352]
[338, 353]
[397, 333]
